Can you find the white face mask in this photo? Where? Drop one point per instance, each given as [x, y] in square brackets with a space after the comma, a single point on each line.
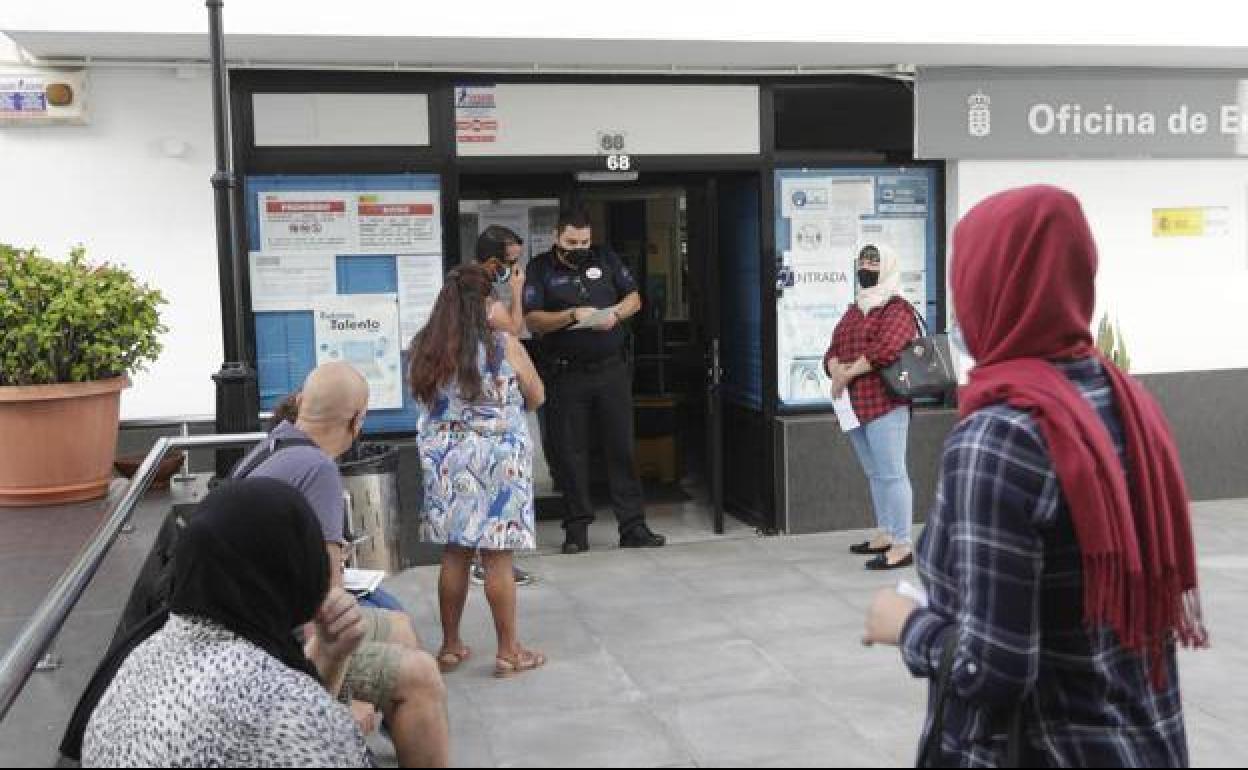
[963, 361]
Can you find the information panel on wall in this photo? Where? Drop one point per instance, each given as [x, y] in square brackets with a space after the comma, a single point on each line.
[823, 218]
[343, 268]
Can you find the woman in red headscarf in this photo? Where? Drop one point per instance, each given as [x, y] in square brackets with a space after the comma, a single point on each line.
[1058, 560]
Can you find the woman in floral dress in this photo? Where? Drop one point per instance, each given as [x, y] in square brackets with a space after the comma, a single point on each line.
[474, 385]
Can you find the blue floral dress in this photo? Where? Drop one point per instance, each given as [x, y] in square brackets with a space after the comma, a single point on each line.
[477, 459]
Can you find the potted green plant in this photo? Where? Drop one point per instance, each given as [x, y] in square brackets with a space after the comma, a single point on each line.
[71, 333]
[1111, 343]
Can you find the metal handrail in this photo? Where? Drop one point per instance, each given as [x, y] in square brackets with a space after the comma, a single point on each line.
[168, 421]
[45, 625]
[177, 421]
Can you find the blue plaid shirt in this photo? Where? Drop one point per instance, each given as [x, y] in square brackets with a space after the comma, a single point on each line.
[1003, 570]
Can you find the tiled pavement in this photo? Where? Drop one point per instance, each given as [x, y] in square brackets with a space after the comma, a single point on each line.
[744, 651]
[716, 651]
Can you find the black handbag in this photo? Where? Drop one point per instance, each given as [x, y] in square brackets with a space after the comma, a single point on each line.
[930, 753]
[925, 367]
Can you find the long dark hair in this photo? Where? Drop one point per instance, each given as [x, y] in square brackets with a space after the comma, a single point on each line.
[448, 347]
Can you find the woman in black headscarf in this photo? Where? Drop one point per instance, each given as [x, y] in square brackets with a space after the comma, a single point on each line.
[225, 682]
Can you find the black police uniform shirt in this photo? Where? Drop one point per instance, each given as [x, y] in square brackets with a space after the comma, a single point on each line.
[601, 281]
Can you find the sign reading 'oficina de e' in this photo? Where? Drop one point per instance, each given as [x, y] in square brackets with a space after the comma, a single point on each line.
[1046, 113]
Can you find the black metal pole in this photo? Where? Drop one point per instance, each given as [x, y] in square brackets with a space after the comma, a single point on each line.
[238, 398]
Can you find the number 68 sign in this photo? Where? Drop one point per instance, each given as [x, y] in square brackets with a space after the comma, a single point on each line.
[619, 163]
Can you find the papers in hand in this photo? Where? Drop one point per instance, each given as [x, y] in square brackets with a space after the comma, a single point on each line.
[362, 581]
[912, 592]
[845, 412]
[599, 318]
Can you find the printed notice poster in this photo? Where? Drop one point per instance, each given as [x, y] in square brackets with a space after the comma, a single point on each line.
[398, 221]
[907, 238]
[344, 267]
[420, 282]
[532, 219]
[286, 282]
[542, 221]
[386, 222]
[363, 330]
[824, 217]
[23, 97]
[512, 216]
[293, 222]
[476, 114]
[1194, 222]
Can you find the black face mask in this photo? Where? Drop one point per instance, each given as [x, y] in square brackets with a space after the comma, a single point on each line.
[868, 279]
[577, 256]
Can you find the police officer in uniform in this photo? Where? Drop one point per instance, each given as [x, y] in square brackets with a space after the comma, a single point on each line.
[589, 379]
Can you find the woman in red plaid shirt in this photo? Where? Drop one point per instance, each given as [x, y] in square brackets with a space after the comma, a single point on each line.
[869, 338]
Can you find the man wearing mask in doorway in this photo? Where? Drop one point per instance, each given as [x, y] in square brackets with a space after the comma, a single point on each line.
[576, 300]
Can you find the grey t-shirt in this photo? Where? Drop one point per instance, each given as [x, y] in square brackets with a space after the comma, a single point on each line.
[312, 472]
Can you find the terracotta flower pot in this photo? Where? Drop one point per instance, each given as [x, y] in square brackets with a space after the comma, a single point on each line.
[57, 442]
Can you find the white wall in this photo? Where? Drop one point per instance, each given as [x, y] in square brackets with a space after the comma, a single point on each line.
[110, 186]
[9, 52]
[1181, 301]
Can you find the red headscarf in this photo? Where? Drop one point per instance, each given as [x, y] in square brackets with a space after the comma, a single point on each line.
[1024, 271]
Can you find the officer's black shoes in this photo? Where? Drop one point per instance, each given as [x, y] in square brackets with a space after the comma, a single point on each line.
[576, 541]
[641, 537]
[572, 548]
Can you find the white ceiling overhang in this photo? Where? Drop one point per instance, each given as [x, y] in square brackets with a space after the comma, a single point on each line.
[597, 55]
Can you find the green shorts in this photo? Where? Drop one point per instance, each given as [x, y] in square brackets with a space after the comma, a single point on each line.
[373, 673]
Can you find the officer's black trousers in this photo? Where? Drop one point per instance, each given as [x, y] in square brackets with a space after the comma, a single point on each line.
[593, 406]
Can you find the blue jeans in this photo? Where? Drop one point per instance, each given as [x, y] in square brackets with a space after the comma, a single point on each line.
[881, 448]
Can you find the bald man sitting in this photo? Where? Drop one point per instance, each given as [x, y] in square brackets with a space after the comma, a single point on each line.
[390, 671]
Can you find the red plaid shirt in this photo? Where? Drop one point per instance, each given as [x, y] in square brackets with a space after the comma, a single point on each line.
[880, 336]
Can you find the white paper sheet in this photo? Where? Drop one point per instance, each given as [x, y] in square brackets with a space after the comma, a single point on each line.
[594, 321]
[420, 281]
[845, 414]
[283, 282]
[362, 581]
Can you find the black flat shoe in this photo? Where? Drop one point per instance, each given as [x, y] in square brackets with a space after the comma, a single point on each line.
[865, 549]
[881, 563]
[573, 547]
[642, 537]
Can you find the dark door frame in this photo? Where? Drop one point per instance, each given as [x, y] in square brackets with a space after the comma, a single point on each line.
[533, 178]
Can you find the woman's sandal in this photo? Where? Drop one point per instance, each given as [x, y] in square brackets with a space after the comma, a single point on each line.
[449, 661]
[527, 660]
